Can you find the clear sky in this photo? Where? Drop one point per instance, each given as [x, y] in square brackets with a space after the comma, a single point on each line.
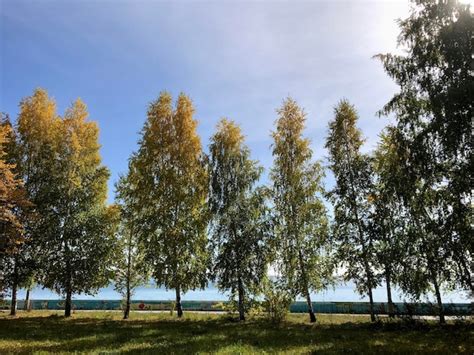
[234, 59]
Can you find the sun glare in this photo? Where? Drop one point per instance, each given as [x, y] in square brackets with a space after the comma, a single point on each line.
[468, 2]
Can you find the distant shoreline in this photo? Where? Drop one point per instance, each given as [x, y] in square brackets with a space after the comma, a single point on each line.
[328, 307]
[341, 293]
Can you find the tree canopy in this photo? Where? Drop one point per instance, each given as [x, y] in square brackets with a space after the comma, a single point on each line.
[173, 184]
[241, 225]
[352, 211]
[301, 223]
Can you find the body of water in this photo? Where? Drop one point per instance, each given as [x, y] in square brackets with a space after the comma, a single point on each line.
[341, 293]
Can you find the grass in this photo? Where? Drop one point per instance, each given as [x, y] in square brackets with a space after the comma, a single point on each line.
[162, 333]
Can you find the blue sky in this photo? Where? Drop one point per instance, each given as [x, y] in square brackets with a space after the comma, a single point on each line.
[234, 59]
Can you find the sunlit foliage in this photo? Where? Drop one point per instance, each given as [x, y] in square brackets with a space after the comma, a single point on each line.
[172, 194]
[301, 223]
[241, 225]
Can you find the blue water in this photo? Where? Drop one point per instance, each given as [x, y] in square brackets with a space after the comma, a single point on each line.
[341, 293]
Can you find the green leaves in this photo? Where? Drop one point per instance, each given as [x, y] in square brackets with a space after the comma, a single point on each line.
[61, 166]
[130, 267]
[13, 202]
[350, 197]
[433, 110]
[170, 190]
[301, 223]
[15, 209]
[240, 225]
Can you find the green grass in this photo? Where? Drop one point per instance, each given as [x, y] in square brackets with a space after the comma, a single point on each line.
[161, 333]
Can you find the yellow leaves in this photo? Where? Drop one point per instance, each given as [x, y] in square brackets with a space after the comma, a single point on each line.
[371, 198]
[8, 181]
[39, 124]
[229, 133]
[81, 136]
[64, 151]
[38, 118]
[171, 186]
[12, 200]
[77, 112]
[4, 131]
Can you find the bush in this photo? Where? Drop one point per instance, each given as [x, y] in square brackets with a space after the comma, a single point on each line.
[277, 301]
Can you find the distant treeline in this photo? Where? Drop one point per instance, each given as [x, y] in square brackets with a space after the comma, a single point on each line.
[402, 215]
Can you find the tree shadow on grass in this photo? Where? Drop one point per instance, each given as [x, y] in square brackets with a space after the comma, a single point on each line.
[57, 334]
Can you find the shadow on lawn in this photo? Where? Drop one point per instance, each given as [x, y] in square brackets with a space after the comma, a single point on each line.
[56, 333]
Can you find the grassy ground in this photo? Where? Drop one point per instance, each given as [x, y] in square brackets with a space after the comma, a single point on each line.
[161, 333]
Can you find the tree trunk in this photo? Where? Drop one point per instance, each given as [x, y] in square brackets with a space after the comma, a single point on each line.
[369, 283]
[126, 312]
[179, 308]
[26, 306]
[312, 316]
[68, 306]
[14, 289]
[241, 300]
[13, 305]
[442, 320]
[371, 299]
[391, 308]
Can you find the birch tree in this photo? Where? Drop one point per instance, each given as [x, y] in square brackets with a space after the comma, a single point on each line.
[389, 216]
[130, 265]
[173, 196]
[78, 236]
[301, 223]
[35, 141]
[241, 224]
[14, 208]
[352, 210]
[433, 110]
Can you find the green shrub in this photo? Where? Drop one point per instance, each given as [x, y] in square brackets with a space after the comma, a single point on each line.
[277, 301]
